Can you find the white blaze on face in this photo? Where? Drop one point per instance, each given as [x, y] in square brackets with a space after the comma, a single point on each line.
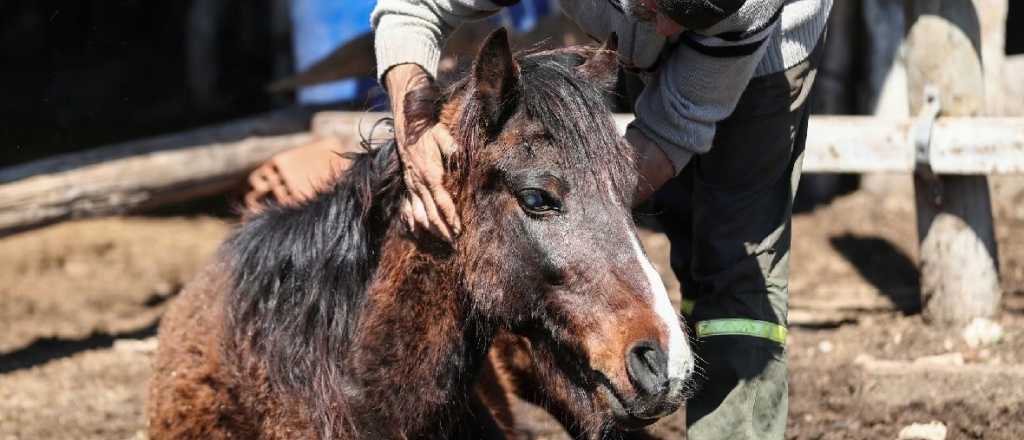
[680, 359]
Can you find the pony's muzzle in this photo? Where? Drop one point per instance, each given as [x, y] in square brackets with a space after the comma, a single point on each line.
[657, 394]
[647, 365]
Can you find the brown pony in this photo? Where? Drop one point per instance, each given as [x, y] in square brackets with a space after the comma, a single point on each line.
[329, 321]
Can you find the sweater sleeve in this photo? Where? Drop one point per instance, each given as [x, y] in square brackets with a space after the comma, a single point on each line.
[702, 79]
[414, 31]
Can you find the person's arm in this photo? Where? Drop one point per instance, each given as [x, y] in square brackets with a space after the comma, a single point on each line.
[701, 81]
[409, 35]
[655, 168]
[414, 31]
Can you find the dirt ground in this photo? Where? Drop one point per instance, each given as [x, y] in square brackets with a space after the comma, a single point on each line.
[79, 305]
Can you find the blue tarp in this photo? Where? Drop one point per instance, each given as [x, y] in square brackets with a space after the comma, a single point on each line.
[320, 26]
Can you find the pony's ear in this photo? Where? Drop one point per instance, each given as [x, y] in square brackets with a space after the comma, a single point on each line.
[496, 77]
[602, 67]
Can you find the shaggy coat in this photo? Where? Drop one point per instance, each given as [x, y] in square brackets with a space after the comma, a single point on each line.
[328, 321]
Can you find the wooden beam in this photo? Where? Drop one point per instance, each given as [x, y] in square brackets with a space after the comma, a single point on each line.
[960, 146]
[865, 144]
[139, 175]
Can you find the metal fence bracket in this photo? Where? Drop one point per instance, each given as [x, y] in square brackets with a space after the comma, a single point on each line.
[922, 135]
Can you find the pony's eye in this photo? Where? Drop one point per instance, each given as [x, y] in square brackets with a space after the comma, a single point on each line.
[537, 201]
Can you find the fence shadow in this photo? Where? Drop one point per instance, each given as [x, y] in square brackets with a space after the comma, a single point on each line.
[884, 266]
[48, 349]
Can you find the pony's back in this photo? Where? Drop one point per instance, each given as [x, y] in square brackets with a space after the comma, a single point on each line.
[299, 274]
[245, 304]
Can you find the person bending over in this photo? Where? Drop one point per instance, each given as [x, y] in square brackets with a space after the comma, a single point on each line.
[719, 133]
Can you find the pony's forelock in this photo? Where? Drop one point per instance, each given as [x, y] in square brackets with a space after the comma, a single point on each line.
[570, 109]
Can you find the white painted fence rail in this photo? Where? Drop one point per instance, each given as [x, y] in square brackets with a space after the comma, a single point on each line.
[866, 144]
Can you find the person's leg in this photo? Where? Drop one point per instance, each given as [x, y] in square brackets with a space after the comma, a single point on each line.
[728, 218]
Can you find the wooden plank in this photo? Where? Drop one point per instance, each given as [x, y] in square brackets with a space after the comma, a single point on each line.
[865, 144]
[848, 144]
[978, 146]
[138, 175]
[960, 146]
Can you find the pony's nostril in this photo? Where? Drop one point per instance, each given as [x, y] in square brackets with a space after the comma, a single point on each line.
[647, 365]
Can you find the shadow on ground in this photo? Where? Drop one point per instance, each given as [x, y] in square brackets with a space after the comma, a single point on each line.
[44, 350]
[883, 265]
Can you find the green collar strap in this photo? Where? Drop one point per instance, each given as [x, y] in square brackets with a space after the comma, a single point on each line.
[742, 327]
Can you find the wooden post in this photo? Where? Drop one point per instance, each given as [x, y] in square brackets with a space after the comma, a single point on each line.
[992, 16]
[958, 256]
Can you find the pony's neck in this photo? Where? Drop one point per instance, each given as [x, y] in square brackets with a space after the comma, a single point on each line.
[418, 347]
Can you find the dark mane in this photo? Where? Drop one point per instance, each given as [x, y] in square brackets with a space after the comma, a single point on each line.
[300, 274]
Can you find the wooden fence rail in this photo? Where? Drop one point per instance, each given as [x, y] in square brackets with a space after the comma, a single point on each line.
[866, 144]
[140, 175]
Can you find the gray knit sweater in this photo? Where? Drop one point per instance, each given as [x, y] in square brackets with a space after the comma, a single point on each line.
[696, 84]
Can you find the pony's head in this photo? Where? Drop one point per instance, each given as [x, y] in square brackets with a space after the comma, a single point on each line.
[544, 185]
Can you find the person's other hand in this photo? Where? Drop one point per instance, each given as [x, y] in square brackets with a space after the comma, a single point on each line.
[294, 176]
